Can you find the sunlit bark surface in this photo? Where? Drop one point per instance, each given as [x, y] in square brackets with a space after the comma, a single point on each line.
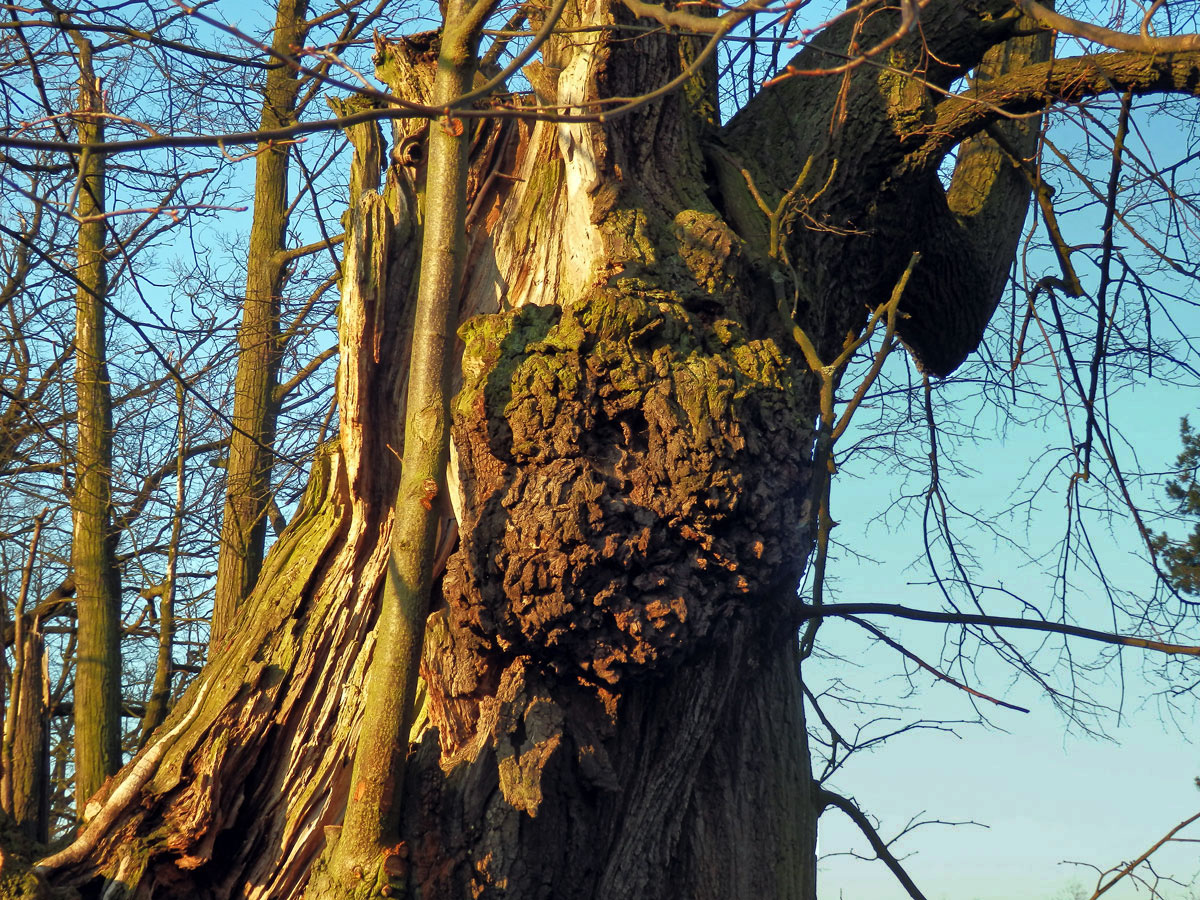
[97, 689]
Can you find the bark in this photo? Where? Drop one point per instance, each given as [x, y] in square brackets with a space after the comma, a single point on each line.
[29, 757]
[93, 548]
[361, 861]
[683, 575]
[612, 699]
[160, 690]
[255, 410]
[24, 787]
[250, 767]
[868, 206]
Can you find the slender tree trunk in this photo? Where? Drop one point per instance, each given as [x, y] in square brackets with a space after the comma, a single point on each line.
[251, 443]
[93, 548]
[24, 790]
[30, 773]
[160, 691]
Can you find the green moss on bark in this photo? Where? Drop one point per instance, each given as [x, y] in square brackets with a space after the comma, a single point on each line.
[636, 479]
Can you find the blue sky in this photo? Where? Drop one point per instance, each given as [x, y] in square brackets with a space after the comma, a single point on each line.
[1046, 792]
[1043, 791]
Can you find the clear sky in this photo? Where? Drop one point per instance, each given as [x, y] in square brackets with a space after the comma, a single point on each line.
[1042, 792]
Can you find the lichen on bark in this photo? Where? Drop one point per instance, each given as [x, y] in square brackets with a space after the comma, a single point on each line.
[635, 480]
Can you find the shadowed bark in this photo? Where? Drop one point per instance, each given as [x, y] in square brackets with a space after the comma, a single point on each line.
[25, 755]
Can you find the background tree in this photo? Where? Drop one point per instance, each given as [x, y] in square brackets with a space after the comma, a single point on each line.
[272, 257]
[248, 481]
[156, 344]
[93, 546]
[24, 788]
[1183, 557]
[147, 201]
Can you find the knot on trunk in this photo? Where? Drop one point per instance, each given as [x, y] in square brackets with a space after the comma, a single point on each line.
[633, 475]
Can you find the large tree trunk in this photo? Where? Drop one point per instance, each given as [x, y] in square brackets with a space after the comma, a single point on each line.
[612, 701]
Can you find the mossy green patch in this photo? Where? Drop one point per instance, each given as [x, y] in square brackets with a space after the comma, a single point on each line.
[600, 435]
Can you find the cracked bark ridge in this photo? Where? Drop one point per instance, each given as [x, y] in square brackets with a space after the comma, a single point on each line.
[633, 481]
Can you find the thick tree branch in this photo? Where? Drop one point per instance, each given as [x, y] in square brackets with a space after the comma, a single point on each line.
[286, 256]
[282, 390]
[58, 602]
[1031, 89]
[973, 233]
[775, 129]
[867, 212]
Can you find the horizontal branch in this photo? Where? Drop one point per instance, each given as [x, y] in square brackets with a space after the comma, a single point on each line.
[231, 139]
[1118, 40]
[151, 482]
[290, 133]
[286, 256]
[1033, 88]
[846, 610]
[59, 601]
[66, 709]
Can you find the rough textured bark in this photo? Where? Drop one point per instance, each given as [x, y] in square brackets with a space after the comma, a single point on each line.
[93, 547]
[271, 724]
[870, 206]
[612, 698]
[248, 477]
[361, 860]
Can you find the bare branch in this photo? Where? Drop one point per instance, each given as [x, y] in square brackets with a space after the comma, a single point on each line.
[1118, 40]
[850, 808]
[959, 618]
